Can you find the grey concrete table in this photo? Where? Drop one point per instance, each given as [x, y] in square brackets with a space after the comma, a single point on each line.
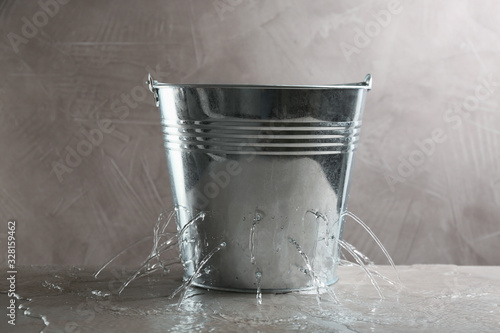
[432, 299]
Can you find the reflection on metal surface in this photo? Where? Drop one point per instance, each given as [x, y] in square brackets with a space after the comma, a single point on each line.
[278, 150]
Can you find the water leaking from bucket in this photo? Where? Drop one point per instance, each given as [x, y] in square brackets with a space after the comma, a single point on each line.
[153, 263]
[375, 238]
[346, 246]
[187, 284]
[251, 242]
[258, 279]
[164, 241]
[317, 284]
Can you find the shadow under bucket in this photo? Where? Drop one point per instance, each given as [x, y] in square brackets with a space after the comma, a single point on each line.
[268, 167]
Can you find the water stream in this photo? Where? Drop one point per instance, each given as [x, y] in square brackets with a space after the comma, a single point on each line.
[187, 284]
[375, 238]
[312, 274]
[258, 279]
[164, 242]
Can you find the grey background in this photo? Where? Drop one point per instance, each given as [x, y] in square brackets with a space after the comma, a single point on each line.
[427, 60]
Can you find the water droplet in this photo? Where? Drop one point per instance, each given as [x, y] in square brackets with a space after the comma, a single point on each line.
[100, 293]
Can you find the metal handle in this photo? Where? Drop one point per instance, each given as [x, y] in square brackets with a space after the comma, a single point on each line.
[368, 81]
[151, 82]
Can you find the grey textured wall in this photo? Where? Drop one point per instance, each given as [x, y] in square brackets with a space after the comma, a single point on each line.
[426, 178]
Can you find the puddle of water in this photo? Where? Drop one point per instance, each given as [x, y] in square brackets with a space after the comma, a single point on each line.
[441, 299]
[71, 301]
[448, 300]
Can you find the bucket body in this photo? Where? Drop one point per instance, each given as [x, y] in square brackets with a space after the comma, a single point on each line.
[269, 168]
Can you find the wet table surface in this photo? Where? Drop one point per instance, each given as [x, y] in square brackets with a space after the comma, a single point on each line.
[432, 298]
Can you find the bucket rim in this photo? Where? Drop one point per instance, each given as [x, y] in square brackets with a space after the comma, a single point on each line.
[365, 84]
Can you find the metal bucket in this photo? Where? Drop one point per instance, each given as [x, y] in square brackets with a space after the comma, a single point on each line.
[269, 167]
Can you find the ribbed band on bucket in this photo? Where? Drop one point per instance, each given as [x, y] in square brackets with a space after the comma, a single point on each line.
[262, 137]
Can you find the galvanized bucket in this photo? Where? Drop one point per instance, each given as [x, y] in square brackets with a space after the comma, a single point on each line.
[269, 169]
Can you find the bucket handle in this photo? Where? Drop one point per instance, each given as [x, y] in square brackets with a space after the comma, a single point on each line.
[151, 82]
[368, 81]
